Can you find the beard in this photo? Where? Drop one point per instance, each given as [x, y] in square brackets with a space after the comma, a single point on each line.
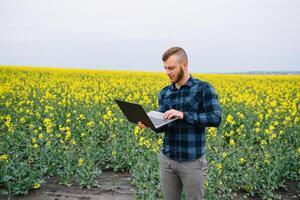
[179, 76]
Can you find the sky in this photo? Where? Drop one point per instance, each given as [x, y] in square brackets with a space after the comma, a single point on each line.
[218, 36]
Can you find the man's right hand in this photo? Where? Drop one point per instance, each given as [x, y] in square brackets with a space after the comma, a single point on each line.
[141, 125]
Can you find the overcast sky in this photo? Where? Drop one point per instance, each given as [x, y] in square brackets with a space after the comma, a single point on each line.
[218, 35]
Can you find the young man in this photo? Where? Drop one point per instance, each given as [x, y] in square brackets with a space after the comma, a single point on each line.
[182, 160]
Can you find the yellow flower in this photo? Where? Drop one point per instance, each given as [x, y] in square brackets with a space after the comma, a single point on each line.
[263, 142]
[41, 136]
[47, 121]
[159, 141]
[7, 103]
[242, 160]
[101, 123]
[206, 183]
[257, 130]
[260, 116]
[273, 104]
[35, 146]
[267, 160]
[142, 139]
[212, 132]
[8, 118]
[229, 119]
[7, 123]
[232, 142]
[267, 131]
[114, 153]
[273, 136]
[38, 115]
[298, 150]
[73, 141]
[224, 155]
[219, 167]
[80, 162]
[81, 116]
[281, 132]
[108, 112]
[48, 143]
[271, 127]
[68, 135]
[36, 186]
[33, 140]
[22, 120]
[4, 157]
[136, 130]
[91, 123]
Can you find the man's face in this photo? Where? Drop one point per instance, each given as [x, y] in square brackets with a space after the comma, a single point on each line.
[174, 69]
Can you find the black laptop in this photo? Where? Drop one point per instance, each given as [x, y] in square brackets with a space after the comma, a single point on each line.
[135, 113]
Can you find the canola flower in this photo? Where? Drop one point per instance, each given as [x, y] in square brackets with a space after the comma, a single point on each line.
[41, 136]
[80, 162]
[224, 155]
[232, 142]
[4, 157]
[36, 186]
[242, 160]
[114, 153]
[219, 167]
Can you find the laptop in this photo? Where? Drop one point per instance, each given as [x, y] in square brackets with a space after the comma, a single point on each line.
[135, 113]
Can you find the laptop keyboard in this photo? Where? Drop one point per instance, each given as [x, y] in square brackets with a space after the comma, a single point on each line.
[157, 121]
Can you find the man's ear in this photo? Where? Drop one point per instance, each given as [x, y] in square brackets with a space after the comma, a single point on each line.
[185, 64]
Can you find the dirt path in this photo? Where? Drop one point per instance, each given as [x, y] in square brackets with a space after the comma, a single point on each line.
[116, 186]
[113, 185]
[290, 193]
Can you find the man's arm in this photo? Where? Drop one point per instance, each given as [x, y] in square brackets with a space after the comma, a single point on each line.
[211, 117]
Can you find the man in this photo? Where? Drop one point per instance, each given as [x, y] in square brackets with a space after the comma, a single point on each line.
[182, 160]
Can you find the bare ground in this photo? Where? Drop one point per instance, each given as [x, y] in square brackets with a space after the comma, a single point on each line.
[113, 185]
[116, 186]
[290, 193]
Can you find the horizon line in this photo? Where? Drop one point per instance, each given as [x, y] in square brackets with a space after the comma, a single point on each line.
[137, 70]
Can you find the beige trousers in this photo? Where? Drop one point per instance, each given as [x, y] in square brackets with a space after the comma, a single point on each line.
[176, 176]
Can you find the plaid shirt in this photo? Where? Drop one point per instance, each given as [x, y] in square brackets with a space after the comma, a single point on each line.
[185, 138]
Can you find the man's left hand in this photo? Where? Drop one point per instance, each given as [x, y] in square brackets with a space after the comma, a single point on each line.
[173, 113]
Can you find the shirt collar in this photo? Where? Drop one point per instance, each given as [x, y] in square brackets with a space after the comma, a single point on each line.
[188, 83]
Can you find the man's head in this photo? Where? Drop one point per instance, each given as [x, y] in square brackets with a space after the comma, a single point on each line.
[175, 63]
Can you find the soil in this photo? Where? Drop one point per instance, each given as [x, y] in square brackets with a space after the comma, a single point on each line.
[116, 186]
[113, 185]
[292, 192]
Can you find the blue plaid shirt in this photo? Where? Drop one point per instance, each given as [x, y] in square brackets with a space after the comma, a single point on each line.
[185, 138]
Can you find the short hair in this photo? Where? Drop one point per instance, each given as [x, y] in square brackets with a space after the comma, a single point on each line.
[178, 51]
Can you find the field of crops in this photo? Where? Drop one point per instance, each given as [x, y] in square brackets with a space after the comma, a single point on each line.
[64, 123]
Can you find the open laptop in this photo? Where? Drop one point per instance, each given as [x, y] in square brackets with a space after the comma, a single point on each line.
[135, 113]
